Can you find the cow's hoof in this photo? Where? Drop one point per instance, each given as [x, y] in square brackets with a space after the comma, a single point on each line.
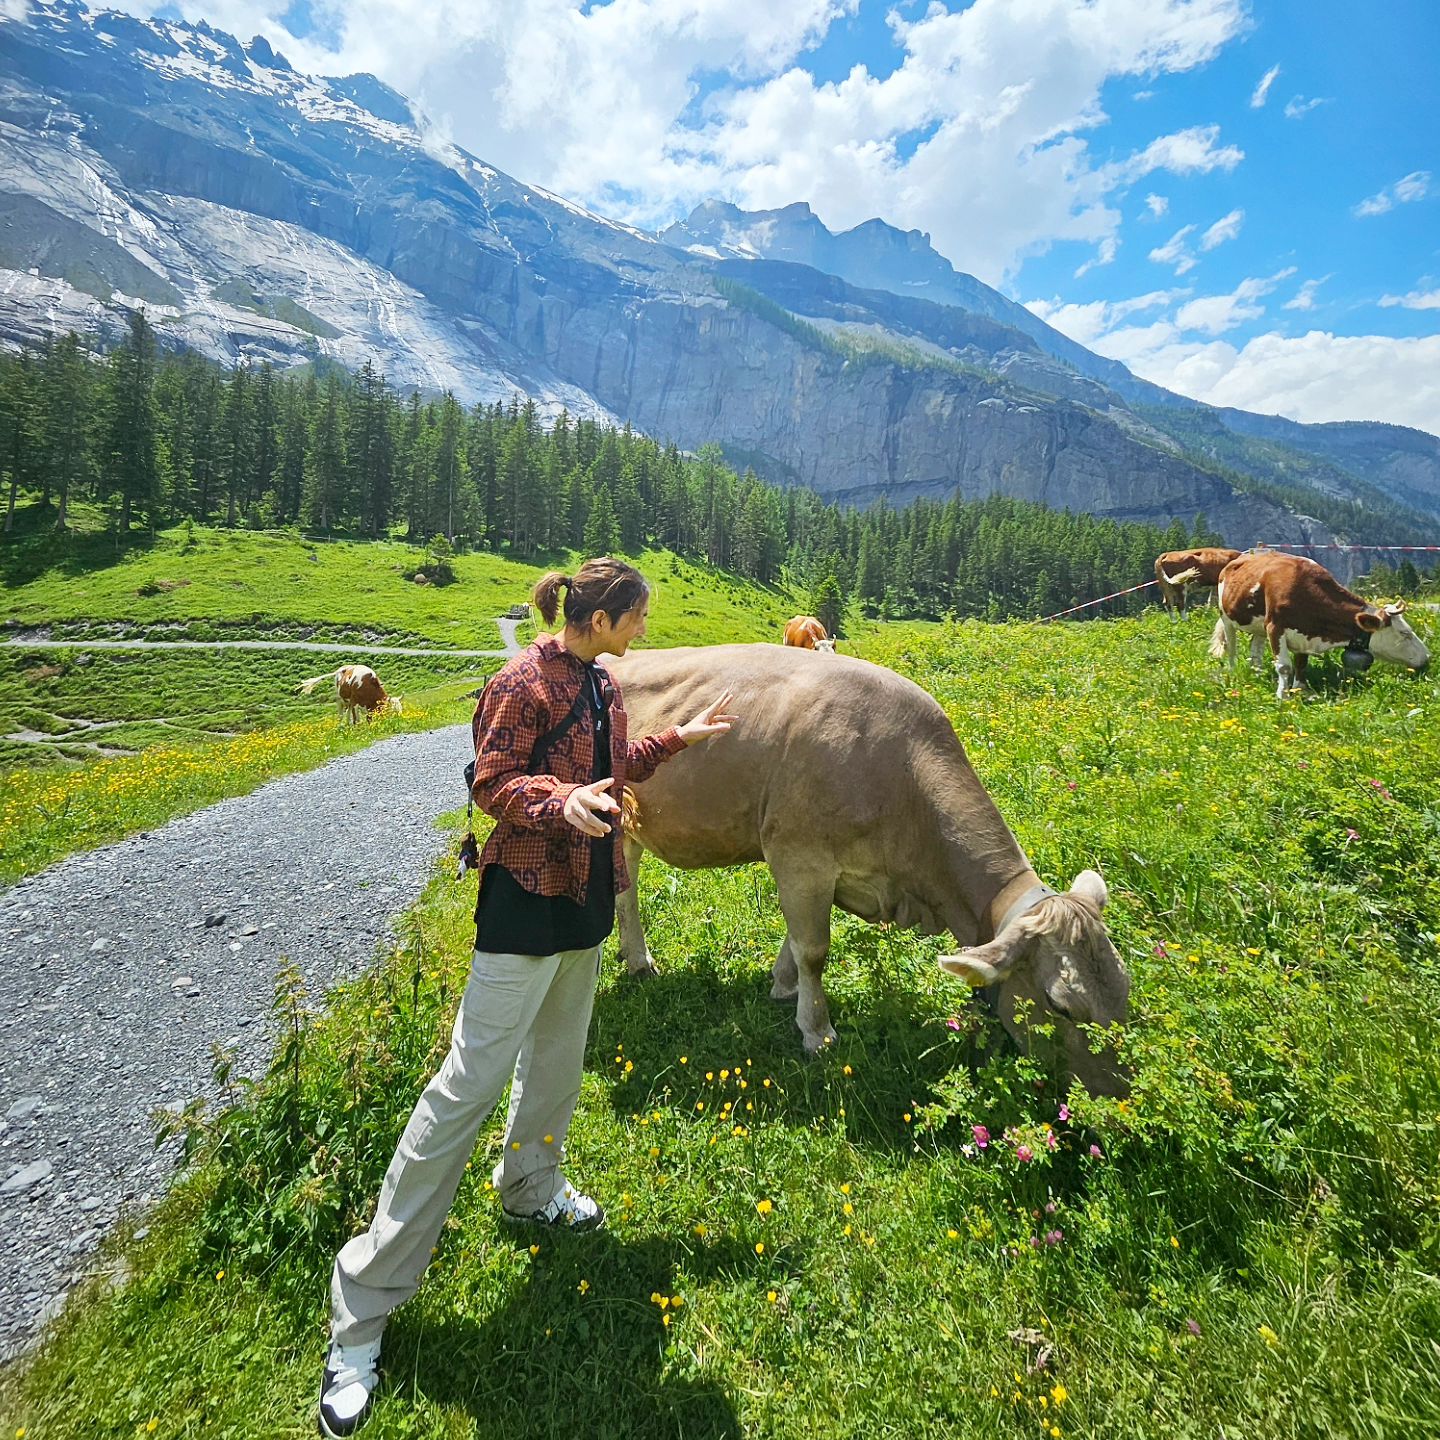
[646, 970]
[818, 1045]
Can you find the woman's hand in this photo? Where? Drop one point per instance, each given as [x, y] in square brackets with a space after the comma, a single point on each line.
[585, 804]
[709, 722]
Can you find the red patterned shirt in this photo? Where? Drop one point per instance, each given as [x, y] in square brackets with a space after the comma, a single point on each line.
[530, 696]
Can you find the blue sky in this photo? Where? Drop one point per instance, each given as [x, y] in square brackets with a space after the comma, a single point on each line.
[1118, 165]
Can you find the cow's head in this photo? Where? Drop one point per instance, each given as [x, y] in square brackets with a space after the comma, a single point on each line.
[1058, 957]
[392, 705]
[1391, 637]
[826, 645]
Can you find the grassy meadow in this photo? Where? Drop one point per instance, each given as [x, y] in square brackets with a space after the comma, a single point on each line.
[159, 733]
[1247, 1247]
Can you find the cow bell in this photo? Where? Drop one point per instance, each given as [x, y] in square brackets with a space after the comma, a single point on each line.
[1357, 659]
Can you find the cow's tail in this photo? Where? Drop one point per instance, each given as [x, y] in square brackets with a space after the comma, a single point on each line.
[307, 687]
[1217, 640]
[1182, 578]
[629, 813]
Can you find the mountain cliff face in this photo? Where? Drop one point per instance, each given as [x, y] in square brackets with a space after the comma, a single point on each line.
[258, 212]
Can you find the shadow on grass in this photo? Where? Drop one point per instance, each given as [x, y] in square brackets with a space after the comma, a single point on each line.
[895, 1051]
[34, 547]
[553, 1361]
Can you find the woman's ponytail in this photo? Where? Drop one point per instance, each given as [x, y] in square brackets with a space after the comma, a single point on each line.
[546, 595]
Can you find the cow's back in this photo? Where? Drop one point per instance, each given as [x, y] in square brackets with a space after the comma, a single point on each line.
[824, 741]
[1291, 591]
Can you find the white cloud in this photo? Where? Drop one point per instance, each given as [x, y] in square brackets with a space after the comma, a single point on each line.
[1263, 88]
[1087, 323]
[1304, 297]
[977, 135]
[1174, 252]
[1297, 105]
[1187, 152]
[1414, 186]
[1313, 377]
[1227, 227]
[1214, 314]
[1415, 300]
[1103, 256]
[1157, 205]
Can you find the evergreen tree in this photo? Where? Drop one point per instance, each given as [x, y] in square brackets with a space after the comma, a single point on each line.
[128, 450]
[602, 533]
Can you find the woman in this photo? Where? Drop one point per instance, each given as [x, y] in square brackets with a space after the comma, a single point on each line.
[552, 757]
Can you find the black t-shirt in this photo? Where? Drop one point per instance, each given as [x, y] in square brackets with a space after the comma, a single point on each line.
[510, 920]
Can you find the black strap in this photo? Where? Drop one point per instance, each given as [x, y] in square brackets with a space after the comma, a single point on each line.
[556, 733]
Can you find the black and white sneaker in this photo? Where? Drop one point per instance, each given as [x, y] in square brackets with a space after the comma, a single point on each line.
[348, 1388]
[568, 1209]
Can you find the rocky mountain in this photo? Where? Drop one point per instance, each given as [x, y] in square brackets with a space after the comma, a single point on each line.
[263, 213]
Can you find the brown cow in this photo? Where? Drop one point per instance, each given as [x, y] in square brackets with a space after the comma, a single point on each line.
[1304, 610]
[850, 783]
[808, 633]
[357, 688]
[1176, 570]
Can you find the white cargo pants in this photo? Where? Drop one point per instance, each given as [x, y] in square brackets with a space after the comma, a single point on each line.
[525, 1014]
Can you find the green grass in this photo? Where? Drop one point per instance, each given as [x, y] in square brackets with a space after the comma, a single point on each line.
[1252, 1253]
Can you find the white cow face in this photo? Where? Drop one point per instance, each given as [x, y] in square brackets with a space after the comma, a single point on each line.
[1391, 637]
[1058, 957]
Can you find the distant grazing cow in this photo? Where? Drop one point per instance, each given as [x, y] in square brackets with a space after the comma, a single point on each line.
[1304, 610]
[850, 783]
[806, 632]
[1176, 570]
[357, 687]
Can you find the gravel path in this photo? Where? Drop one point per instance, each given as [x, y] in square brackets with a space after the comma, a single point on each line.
[122, 966]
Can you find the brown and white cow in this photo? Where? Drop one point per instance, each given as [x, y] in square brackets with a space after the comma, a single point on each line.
[806, 632]
[357, 688]
[1304, 610]
[1177, 570]
[850, 783]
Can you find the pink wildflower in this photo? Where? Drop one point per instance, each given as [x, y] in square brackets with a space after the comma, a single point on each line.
[1054, 1237]
[1034, 1242]
[1192, 1327]
[1064, 1113]
[1161, 951]
[1024, 1153]
[1095, 1152]
[953, 1023]
[1049, 1207]
[1051, 1140]
[1351, 834]
[981, 1134]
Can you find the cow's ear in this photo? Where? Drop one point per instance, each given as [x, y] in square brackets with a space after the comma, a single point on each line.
[1090, 885]
[980, 965]
[1368, 620]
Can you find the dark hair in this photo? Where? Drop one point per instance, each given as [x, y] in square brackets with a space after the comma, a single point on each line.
[608, 585]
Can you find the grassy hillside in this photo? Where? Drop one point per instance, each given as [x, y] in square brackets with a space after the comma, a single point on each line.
[1247, 1247]
[204, 584]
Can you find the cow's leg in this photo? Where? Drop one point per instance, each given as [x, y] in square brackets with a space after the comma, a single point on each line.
[1257, 650]
[805, 901]
[1284, 666]
[785, 973]
[639, 963]
[1302, 664]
